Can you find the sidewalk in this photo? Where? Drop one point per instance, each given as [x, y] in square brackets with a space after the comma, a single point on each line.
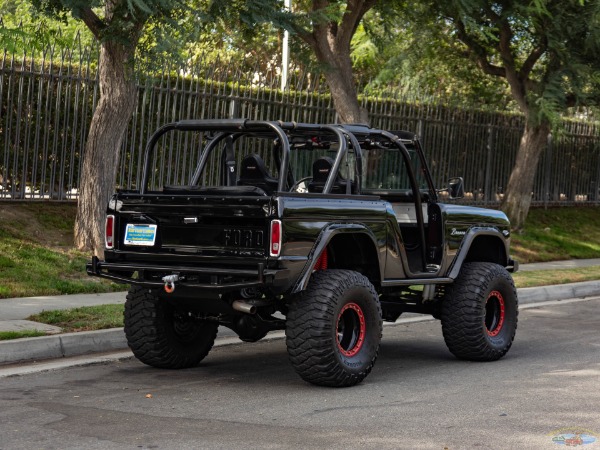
[14, 311]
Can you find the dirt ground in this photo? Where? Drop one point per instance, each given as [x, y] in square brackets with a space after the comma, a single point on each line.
[45, 223]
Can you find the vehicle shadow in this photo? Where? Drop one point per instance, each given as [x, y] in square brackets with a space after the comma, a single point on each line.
[266, 363]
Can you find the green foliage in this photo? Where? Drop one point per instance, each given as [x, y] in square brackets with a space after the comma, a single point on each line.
[9, 335]
[548, 50]
[562, 276]
[123, 22]
[87, 318]
[240, 30]
[365, 53]
[36, 257]
[419, 59]
[558, 233]
[22, 28]
[29, 269]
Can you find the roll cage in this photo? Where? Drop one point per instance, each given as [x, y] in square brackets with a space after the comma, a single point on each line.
[288, 135]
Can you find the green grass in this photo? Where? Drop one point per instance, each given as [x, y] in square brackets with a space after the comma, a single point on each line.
[28, 269]
[557, 234]
[8, 335]
[86, 318]
[89, 318]
[563, 276]
[37, 256]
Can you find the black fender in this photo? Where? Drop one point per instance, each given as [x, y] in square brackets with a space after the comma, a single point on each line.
[324, 238]
[467, 242]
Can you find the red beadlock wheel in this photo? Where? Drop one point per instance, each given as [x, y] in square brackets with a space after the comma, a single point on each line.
[334, 328]
[350, 329]
[479, 312]
[494, 313]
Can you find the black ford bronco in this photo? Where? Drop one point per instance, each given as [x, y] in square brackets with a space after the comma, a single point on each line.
[324, 231]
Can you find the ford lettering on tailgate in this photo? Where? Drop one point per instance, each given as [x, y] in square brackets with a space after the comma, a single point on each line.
[233, 237]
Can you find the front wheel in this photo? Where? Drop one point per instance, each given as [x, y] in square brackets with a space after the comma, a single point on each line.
[161, 336]
[479, 312]
[334, 329]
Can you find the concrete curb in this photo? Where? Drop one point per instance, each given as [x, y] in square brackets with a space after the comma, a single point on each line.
[87, 342]
[559, 291]
[62, 345]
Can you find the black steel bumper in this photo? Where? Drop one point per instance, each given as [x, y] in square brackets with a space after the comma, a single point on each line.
[245, 277]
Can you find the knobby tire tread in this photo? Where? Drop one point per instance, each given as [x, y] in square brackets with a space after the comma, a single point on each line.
[464, 306]
[150, 339]
[310, 342]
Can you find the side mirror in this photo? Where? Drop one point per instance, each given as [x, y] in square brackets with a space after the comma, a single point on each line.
[456, 188]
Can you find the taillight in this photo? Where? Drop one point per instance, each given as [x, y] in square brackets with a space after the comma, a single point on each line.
[109, 233]
[276, 232]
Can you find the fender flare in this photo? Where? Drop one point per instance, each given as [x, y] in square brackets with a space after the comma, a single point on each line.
[324, 238]
[466, 243]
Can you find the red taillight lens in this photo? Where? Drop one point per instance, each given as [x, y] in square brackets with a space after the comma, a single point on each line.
[109, 231]
[276, 232]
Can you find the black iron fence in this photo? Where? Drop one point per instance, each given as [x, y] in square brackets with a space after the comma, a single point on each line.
[47, 100]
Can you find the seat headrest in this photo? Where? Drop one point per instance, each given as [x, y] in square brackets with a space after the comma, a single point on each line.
[253, 167]
[321, 168]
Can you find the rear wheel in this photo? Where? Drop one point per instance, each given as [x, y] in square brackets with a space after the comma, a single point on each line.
[479, 312]
[334, 329]
[161, 336]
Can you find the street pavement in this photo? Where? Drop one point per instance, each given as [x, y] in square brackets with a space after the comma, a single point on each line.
[248, 396]
[15, 311]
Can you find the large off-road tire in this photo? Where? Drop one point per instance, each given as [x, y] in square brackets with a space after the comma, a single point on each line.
[479, 312]
[161, 336]
[334, 329]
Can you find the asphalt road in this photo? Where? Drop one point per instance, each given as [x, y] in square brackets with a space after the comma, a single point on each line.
[248, 396]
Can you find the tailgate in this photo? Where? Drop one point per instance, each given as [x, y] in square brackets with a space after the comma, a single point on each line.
[203, 226]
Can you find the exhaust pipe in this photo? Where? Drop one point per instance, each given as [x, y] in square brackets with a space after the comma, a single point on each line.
[242, 306]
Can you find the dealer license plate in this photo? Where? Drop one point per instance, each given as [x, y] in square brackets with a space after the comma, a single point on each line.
[136, 234]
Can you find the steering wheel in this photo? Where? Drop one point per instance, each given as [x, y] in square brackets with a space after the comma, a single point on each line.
[296, 186]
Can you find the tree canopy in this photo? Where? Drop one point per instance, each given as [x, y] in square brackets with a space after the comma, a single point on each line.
[541, 57]
[548, 53]
[119, 26]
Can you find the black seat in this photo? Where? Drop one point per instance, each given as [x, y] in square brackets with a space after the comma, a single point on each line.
[254, 172]
[321, 169]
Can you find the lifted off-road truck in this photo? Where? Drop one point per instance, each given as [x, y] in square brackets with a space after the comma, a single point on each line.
[323, 231]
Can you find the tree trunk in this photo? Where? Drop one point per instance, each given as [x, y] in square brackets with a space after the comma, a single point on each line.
[517, 199]
[339, 76]
[343, 90]
[345, 98]
[109, 123]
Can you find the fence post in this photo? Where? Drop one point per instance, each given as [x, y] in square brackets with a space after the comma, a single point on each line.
[488, 166]
[547, 169]
[234, 107]
[596, 184]
[420, 130]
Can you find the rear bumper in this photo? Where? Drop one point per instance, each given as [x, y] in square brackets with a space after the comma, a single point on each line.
[513, 265]
[221, 279]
